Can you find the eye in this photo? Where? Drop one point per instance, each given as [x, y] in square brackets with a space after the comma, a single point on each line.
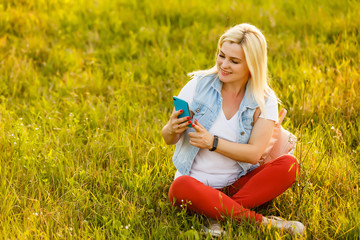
[220, 55]
[235, 62]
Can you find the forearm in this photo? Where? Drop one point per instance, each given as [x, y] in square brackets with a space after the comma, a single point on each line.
[253, 150]
[247, 153]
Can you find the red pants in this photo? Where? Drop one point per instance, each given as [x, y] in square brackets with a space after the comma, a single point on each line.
[255, 188]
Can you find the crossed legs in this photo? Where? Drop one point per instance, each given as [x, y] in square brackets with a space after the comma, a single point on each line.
[255, 188]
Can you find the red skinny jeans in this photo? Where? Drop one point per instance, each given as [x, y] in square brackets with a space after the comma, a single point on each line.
[254, 189]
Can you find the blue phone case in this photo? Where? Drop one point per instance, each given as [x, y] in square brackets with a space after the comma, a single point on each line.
[181, 104]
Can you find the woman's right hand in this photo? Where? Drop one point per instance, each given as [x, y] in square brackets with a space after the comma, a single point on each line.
[172, 131]
[178, 125]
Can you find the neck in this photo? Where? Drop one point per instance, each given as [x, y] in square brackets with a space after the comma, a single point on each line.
[234, 88]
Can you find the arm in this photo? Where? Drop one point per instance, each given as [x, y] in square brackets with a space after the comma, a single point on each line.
[249, 153]
[174, 128]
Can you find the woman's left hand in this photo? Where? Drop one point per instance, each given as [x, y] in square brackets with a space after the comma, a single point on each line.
[201, 138]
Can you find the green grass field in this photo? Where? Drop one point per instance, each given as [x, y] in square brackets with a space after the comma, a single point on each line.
[86, 86]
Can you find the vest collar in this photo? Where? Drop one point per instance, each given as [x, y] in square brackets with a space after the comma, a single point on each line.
[248, 100]
[217, 84]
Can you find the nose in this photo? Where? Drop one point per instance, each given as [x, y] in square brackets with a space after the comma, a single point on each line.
[225, 64]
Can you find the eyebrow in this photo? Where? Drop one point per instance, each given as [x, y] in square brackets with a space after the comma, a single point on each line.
[230, 56]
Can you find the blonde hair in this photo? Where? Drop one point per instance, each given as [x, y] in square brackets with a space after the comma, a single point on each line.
[254, 45]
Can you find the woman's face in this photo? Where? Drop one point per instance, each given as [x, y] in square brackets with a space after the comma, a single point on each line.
[231, 63]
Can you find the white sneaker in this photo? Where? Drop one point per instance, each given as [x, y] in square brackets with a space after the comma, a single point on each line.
[293, 227]
[214, 228]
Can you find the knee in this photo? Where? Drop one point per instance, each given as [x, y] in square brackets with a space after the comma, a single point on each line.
[289, 162]
[179, 187]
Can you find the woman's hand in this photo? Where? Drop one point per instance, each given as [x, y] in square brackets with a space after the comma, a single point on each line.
[178, 125]
[201, 138]
[172, 131]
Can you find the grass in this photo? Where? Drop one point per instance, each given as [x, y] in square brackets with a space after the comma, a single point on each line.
[86, 86]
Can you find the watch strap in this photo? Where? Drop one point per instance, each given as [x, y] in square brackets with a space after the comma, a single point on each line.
[215, 143]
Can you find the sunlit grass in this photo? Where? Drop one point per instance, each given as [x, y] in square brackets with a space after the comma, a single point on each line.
[86, 86]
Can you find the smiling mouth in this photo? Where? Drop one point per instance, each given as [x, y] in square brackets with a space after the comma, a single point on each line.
[224, 72]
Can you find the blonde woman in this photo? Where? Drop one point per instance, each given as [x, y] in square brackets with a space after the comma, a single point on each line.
[217, 159]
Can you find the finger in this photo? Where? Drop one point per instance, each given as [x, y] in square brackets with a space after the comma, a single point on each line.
[175, 113]
[183, 119]
[198, 124]
[181, 125]
[193, 135]
[177, 120]
[185, 124]
[181, 129]
[196, 127]
[194, 143]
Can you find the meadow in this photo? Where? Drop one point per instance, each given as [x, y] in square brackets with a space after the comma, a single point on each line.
[86, 86]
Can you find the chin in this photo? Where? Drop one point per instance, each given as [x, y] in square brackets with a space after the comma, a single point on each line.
[224, 78]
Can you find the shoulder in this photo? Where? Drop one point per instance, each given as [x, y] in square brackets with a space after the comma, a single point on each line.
[271, 106]
[271, 98]
[198, 83]
[205, 80]
[188, 91]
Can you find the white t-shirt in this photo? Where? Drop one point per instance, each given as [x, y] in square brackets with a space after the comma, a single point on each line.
[212, 168]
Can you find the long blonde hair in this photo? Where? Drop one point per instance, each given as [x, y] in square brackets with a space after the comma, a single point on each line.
[254, 45]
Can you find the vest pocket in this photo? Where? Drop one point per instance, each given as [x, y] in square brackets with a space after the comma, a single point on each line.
[199, 110]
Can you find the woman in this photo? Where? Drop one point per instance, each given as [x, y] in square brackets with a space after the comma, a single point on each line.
[217, 159]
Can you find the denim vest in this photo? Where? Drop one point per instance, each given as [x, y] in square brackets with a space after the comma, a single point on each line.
[206, 107]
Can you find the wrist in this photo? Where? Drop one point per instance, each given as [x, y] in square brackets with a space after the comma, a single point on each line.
[210, 142]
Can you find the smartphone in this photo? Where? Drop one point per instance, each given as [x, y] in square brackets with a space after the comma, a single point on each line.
[181, 104]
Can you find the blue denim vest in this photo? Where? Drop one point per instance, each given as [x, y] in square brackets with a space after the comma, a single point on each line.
[206, 107]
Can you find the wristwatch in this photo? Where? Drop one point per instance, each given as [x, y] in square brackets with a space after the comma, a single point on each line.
[215, 143]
